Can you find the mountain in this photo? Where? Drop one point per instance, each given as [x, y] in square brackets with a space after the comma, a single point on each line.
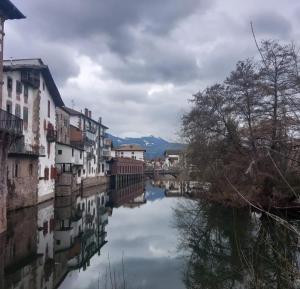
[154, 146]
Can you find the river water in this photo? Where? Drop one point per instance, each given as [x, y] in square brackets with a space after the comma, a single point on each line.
[149, 235]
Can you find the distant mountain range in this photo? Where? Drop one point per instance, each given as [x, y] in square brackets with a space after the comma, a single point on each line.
[154, 146]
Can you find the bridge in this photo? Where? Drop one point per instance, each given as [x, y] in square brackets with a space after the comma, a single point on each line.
[175, 171]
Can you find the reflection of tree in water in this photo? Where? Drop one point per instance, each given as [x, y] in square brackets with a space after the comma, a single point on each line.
[227, 248]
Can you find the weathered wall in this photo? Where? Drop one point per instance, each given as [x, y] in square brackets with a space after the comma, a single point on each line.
[22, 182]
[62, 126]
[94, 181]
[4, 145]
[46, 186]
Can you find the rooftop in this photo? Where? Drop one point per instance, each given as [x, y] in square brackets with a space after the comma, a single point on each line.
[36, 64]
[72, 111]
[173, 152]
[9, 10]
[130, 147]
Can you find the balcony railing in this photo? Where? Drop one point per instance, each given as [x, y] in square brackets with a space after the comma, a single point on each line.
[107, 142]
[10, 123]
[89, 156]
[26, 149]
[31, 78]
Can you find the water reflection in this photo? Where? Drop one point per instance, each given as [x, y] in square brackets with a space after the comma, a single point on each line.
[128, 234]
[231, 248]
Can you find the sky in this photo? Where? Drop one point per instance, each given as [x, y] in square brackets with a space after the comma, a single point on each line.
[147, 239]
[136, 63]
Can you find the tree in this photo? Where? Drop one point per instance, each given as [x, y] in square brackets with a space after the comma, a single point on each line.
[248, 127]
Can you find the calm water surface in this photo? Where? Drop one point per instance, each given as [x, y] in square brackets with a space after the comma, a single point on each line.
[146, 236]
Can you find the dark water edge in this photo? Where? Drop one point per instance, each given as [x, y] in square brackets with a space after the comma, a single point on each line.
[153, 236]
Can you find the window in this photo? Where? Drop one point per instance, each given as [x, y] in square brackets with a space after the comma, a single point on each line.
[48, 149]
[45, 228]
[25, 93]
[43, 85]
[80, 154]
[30, 170]
[102, 167]
[25, 117]
[46, 174]
[72, 152]
[9, 106]
[19, 87]
[18, 110]
[48, 108]
[59, 152]
[16, 170]
[9, 83]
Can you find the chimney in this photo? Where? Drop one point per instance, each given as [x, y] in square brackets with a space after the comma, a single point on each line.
[90, 114]
[100, 120]
[86, 112]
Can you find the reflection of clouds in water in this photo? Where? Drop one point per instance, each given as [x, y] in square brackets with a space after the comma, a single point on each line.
[146, 238]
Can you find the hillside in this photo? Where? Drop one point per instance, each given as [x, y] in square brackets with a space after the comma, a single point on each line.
[154, 146]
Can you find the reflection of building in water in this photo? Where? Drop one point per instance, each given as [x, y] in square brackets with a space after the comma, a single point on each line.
[132, 195]
[45, 236]
[37, 251]
[79, 231]
[20, 256]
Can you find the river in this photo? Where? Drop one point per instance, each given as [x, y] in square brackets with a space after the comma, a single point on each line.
[146, 236]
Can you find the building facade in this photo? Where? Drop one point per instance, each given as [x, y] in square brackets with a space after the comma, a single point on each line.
[30, 93]
[132, 151]
[89, 135]
[10, 126]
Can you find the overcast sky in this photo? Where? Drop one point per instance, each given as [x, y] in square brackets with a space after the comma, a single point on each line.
[137, 62]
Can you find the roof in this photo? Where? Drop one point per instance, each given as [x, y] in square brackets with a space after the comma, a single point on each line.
[9, 10]
[130, 147]
[72, 111]
[173, 152]
[38, 64]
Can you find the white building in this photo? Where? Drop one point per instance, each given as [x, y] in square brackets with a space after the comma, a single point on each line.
[89, 134]
[132, 151]
[173, 158]
[30, 93]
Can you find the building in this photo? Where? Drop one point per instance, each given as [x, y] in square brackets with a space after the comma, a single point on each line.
[89, 135]
[132, 151]
[10, 126]
[173, 158]
[8, 11]
[69, 158]
[30, 93]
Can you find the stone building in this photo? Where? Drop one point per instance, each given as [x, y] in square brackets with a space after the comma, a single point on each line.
[30, 93]
[10, 126]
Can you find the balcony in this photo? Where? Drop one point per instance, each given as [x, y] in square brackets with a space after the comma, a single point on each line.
[105, 154]
[51, 135]
[31, 77]
[107, 142]
[19, 148]
[10, 123]
[89, 156]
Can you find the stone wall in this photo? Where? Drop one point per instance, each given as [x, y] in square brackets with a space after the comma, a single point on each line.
[4, 145]
[22, 182]
[94, 181]
[62, 126]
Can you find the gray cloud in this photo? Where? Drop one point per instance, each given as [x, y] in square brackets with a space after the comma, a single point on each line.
[151, 56]
[272, 24]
